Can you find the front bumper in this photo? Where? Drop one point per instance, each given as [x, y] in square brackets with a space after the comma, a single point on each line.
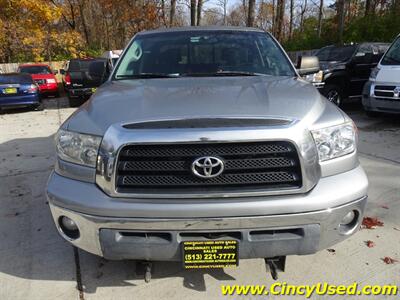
[80, 93]
[50, 88]
[19, 100]
[264, 226]
[379, 104]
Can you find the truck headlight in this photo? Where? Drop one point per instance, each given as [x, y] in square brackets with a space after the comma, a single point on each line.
[335, 141]
[316, 77]
[374, 73]
[77, 148]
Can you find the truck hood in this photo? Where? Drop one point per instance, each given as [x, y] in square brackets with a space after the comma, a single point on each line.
[389, 74]
[135, 101]
[328, 66]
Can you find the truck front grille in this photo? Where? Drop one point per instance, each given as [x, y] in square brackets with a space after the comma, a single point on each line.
[168, 167]
[385, 92]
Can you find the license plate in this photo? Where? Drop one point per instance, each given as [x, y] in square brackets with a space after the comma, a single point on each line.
[94, 90]
[10, 90]
[210, 254]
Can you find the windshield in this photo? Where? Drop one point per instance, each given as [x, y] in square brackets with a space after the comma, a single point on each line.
[203, 53]
[79, 65]
[392, 56]
[336, 53]
[35, 70]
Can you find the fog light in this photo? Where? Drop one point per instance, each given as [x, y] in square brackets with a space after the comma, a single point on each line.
[349, 223]
[69, 227]
[348, 218]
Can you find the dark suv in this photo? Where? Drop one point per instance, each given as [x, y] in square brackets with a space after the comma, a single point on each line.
[77, 82]
[345, 69]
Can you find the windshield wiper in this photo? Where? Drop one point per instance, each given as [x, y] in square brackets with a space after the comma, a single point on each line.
[147, 75]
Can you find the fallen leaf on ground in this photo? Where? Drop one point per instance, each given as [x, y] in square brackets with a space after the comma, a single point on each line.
[388, 260]
[370, 244]
[371, 223]
[331, 250]
[385, 206]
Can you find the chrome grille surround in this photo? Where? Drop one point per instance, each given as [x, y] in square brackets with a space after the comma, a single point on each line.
[117, 137]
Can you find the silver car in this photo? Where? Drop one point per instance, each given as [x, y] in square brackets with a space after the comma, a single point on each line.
[206, 146]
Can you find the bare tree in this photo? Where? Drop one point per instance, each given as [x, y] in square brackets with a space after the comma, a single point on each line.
[199, 9]
[302, 14]
[224, 5]
[280, 13]
[291, 18]
[250, 14]
[341, 14]
[172, 12]
[320, 16]
[193, 12]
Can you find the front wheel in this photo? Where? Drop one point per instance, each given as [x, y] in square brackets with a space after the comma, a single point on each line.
[334, 94]
[39, 106]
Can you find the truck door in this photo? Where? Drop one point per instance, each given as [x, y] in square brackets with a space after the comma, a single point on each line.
[360, 68]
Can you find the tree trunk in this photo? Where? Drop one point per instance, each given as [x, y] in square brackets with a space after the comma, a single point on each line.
[172, 12]
[291, 19]
[85, 29]
[192, 12]
[199, 9]
[341, 14]
[250, 15]
[367, 7]
[280, 13]
[320, 16]
[302, 13]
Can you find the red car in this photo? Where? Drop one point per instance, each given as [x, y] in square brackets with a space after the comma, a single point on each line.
[43, 76]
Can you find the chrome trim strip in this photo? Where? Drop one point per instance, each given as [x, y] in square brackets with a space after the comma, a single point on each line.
[117, 136]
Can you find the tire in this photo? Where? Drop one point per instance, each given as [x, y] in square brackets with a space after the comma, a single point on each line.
[334, 94]
[39, 107]
[74, 102]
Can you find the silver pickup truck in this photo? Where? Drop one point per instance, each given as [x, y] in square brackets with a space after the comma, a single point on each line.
[205, 146]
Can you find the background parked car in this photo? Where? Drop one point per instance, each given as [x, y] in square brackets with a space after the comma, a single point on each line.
[382, 92]
[345, 70]
[19, 90]
[79, 85]
[43, 76]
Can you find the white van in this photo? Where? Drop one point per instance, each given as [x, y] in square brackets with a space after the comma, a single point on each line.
[112, 56]
[382, 92]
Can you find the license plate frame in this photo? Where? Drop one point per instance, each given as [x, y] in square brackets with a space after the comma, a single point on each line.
[210, 254]
[10, 90]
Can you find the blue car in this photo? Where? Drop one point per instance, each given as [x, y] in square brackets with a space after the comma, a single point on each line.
[19, 90]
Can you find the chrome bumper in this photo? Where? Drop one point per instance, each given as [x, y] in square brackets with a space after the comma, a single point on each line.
[259, 236]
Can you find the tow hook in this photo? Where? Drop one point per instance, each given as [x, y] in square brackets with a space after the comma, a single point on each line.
[275, 264]
[144, 267]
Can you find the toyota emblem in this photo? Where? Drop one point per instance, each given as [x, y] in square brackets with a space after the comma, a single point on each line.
[207, 167]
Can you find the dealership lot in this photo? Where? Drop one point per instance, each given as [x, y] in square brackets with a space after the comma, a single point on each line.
[35, 263]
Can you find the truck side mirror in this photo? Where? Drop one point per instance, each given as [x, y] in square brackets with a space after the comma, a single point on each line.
[307, 65]
[98, 70]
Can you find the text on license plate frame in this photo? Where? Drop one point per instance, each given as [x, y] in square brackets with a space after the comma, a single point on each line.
[210, 254]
